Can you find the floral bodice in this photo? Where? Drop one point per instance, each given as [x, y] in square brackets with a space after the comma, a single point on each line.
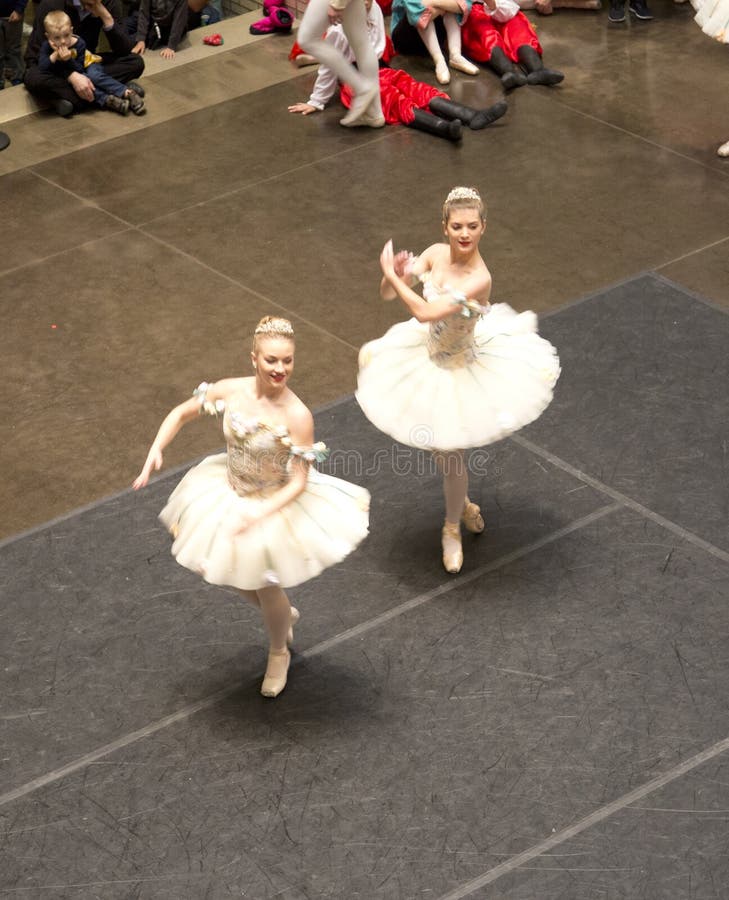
[450, 342]
[259, 454]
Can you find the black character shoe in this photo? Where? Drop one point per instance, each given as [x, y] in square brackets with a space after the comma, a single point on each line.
[639, 8]
[617, 11]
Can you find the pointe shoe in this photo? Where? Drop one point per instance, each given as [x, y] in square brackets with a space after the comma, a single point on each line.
[723, 150]
[442, 72]
[457, 61]
[274, 681]
[360, 103]
[452, 550]
[295, 616]
[472, 518]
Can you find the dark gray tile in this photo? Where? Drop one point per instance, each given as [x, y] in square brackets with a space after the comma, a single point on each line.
[415, 757]
[641, 404]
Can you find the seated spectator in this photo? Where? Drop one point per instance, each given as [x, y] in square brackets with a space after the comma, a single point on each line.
[76, 92]
[404, 100]
[499, 34]
[11, 33]
[161, 24]
[64, 52]
[418, 15]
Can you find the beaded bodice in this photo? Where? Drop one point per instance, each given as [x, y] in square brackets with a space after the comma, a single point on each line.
[450, 342]
[259, 454]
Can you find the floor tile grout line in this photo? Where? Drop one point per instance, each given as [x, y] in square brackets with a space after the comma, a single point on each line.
[191, 709]
[633, 134]
[594, 818]
[693, 295]
[692, 253]
[622, 499]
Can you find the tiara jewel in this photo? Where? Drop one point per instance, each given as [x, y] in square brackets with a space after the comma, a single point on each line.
[463, 193]
[275, 326]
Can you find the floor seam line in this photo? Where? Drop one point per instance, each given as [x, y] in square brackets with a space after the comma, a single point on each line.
[599, 815]
[622, 499]
[191, 709]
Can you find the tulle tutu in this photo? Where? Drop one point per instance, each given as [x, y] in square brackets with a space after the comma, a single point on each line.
[502, 384]
[316, 530]
[713, 18]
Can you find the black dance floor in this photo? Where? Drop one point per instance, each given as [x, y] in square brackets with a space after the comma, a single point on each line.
[552, 723]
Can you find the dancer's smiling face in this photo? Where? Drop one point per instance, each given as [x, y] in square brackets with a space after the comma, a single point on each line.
[273, 360]
[464, 229]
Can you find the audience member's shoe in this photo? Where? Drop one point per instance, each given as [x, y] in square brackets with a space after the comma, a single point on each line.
[639, 8]
[305, 59]
[442, 72]
[215, 40]
[457, 61]
[617, 11]
[4, 140]
[117, 104]
[63, 108]
[513, 79]
[136, 104]
[723, 150]
[136, 87]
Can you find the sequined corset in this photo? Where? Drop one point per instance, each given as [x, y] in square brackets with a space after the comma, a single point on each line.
[258, 456]
[450, 341]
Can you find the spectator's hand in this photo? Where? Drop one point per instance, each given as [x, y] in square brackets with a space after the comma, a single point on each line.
[334, 15]
[139, 48]
[167, 53]
[95, 7]
[83, 86]
[15, 16]
[304, 108]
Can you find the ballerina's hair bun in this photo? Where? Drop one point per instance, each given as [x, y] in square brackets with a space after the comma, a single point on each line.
[463, 198]
[274, 326]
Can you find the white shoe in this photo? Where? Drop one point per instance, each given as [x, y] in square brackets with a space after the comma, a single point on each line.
[723, 150]
[442, 73]
[457, 61]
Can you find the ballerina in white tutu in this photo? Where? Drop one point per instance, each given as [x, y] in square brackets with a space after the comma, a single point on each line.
[461, 373]
[259, 518]
[713, 17]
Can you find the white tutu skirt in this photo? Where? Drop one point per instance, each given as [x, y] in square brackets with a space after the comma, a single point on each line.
[507, 383]
[713, 18]
[316, 530]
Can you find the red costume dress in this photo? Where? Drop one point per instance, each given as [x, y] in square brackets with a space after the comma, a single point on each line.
[507, 28]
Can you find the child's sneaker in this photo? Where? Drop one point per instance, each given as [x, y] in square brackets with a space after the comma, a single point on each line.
[117, 104]
[136, 104]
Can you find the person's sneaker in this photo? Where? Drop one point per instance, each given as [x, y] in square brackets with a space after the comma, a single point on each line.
[63, 108]
[639, 8]
[136, 87]
[136, 104]
[117, 104]
[617, 11]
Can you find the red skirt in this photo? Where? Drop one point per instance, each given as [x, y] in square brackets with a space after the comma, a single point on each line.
[480, 34]
[400, 94]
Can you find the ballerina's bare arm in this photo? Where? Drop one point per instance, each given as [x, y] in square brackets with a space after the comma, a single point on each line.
[300, 427]
[173, 422]
[420, 309]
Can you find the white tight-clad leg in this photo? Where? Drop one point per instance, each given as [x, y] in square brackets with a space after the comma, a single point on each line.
[430, 39]
[278, 618]
[455, 487]
[354, 22]
[456, 57]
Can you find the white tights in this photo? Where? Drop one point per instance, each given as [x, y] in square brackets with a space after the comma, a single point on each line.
[452, 464]
[354, 23]
[276, 611]
[453, 32]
